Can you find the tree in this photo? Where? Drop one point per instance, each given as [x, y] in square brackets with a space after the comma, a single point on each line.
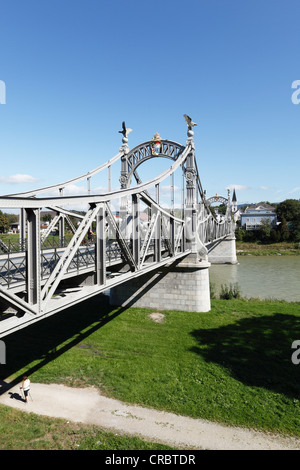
[4, 223]
[239, 232]
[46, 218]
[12, 218]
[288, 210]
[296, 230]
[222, 208]
[288, 213]
[284, 230]
[265, 230]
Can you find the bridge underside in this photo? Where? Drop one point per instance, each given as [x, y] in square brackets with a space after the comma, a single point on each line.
[41, 282]
[71, 291]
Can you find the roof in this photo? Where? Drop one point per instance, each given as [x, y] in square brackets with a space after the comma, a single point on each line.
[260, 207]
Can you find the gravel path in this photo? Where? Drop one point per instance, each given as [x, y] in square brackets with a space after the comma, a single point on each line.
[89, 407]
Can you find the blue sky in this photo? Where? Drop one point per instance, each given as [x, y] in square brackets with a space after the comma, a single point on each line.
[74, 70]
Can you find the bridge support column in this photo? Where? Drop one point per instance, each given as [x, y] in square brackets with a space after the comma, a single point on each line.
[181, 285]
[22, 230]
[100, 247]
[223, 252]
[61, 225]
[33, 257]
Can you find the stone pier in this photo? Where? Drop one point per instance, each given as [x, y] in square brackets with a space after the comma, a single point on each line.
[223, 252]
[181, 285]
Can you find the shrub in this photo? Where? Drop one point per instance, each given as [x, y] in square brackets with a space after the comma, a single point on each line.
[231, 292]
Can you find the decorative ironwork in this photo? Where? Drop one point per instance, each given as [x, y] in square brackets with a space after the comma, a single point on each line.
[156, 145]
[217, 198]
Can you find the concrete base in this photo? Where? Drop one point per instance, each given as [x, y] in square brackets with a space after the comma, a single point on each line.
[182, 285]
[223, 252]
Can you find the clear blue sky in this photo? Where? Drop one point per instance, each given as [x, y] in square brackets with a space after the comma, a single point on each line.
[74, 70]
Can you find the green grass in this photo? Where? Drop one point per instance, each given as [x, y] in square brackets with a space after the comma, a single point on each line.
[231, 365]
[23, 431]
[260, 249]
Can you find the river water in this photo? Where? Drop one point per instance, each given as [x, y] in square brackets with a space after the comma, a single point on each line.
[264, 277]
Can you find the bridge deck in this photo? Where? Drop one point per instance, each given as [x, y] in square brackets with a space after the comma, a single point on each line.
[65, 298]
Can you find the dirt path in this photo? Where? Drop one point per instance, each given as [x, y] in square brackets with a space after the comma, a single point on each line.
[89, 407]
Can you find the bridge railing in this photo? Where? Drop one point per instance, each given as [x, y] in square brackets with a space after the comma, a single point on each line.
[210, 229]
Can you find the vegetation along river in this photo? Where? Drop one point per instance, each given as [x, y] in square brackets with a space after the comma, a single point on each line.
[264, 277]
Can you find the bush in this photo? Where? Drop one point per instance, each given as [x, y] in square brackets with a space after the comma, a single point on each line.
[231, 292]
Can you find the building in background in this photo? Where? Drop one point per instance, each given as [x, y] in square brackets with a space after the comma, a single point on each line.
[254, 216]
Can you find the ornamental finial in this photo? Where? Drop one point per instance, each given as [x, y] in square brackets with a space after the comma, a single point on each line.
[190, 125]
[125, 131]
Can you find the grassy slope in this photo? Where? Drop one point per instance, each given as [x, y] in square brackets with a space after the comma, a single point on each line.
[232, 364]
[258, 249]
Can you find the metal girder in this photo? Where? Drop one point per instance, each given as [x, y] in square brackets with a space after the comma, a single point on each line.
[33, 262]
[70, 223]
[157, 238]
[57, 218]
[61, 267]
[50, 227]
[122, 242]
[148, 237]
[178, 238]
[17, 302]
[136, 242]
[101, 247]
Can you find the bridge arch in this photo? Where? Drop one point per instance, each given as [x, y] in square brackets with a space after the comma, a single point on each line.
[217, 198]
[222, 201]
[155, 148]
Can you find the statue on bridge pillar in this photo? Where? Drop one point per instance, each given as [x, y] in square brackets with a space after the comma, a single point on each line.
[125, 150]
[125, 131]
[189, 122]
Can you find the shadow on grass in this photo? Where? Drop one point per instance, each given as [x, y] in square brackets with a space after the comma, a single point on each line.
[46, 340]
[255, 351]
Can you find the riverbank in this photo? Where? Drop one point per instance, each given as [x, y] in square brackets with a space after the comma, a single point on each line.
[258, 249]
[231, 365]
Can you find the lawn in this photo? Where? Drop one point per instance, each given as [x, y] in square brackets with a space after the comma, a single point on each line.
[231, 365]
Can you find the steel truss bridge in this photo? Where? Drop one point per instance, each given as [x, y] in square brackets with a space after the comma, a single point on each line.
[38, 279]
